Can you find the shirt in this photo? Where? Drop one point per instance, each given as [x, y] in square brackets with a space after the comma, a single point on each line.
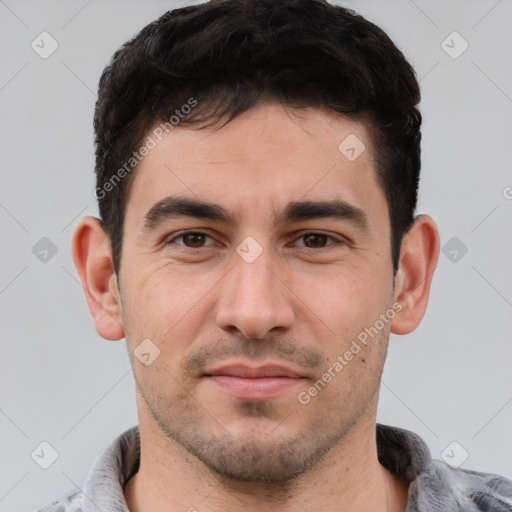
[434, 486]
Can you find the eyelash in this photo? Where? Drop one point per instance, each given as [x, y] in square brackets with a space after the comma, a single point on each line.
[304, 234]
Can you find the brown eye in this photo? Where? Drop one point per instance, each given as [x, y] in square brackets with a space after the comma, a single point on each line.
[191, 239]
[315, 240]
[194, 239]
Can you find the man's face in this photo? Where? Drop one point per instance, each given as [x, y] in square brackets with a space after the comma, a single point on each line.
[267, 293]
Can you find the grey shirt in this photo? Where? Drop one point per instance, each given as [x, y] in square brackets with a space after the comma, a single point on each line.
[433, 485]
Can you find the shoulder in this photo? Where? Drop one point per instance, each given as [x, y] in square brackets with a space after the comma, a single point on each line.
[69, 502]
[103, 487]
[441, 487]
[434, 486]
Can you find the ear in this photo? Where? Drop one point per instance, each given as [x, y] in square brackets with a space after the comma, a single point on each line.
[92, 256]
[418, 260]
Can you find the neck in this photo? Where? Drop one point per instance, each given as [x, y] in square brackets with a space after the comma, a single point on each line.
[349, 477]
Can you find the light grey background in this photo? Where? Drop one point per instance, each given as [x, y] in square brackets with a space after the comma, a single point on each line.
[450, 380]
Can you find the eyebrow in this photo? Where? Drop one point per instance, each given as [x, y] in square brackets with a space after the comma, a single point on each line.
[335, 209]
[173, 207]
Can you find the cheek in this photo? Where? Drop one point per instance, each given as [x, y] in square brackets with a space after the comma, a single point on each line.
[163, 309]
[344, 297]
[348, 305]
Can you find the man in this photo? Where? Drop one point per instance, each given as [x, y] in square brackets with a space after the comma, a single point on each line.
[257, 169]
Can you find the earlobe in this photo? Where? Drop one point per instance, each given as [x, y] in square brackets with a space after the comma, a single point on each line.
[418, 260]
[92, 256]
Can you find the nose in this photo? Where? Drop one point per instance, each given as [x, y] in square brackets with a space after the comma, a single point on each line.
[254, 299]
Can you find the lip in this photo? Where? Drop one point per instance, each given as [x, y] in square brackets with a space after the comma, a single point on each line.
[254, 383]
[254, 372]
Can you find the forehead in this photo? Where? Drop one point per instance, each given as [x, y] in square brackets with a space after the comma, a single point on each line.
[260, 161]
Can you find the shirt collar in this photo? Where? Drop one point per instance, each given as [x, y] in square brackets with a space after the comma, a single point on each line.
[433, 485]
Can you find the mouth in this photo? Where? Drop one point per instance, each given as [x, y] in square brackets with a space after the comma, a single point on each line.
[254, 383]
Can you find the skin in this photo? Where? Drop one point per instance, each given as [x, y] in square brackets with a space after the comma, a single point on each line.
[300, 304]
